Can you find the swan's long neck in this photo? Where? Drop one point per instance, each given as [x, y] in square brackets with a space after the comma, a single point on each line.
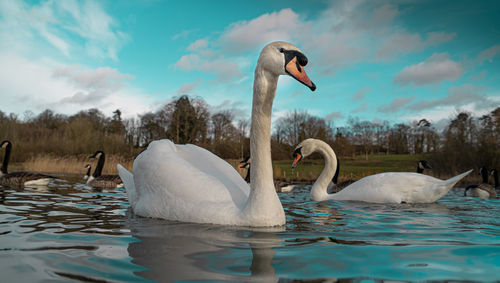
[100, 165]
[319, 189]
[6, 159]
[263, 202]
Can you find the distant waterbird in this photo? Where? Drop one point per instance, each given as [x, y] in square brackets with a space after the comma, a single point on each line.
[98, 180]
[279, 185]
[483, 189]
[20, 178]
[392, 187]
[87, 175]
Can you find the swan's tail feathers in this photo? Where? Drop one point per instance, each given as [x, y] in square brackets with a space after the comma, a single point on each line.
[443, 187]
[452, 181]
[128, 183]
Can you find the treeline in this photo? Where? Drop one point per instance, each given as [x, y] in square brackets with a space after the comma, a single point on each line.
[466, 142]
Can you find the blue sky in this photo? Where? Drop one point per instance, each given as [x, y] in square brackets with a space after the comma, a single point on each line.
[376, 60]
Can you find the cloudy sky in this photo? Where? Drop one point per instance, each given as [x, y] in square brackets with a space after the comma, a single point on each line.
[376, 60]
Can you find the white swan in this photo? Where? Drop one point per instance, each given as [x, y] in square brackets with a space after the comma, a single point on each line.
[188, 183]
[393, 187]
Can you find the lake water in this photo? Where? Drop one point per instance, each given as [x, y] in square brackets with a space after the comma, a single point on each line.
[70, 231]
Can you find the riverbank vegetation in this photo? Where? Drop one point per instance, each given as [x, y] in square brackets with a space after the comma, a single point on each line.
[53, 142]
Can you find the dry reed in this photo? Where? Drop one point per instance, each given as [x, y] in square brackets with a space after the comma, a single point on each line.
[73, 164]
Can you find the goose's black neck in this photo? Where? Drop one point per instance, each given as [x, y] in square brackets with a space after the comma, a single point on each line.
[6, 157]
[495, 177]
[419, 169]
[336, 176]
[88, 171]
[247, 178]
[484, 174]
[100, 165]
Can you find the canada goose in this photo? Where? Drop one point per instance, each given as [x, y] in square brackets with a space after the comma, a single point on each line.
[422, 164]
[191, 184]
[482, 190]
[280, 186]
[88, 167]
[102, 181]
[20, 178]
[245, 163]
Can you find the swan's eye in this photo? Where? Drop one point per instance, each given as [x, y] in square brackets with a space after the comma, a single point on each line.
[282, 50]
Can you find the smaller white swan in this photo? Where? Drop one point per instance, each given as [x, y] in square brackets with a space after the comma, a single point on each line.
[393, 187]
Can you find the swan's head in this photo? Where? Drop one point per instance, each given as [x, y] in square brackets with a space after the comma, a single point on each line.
[423, 164]
[5, 144]
[494, 172]
[304, 149]
[245, 163]
[87, 166]
[283, 58]
[97, 154]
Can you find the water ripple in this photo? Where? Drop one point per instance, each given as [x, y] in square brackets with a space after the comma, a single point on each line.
[68, 231]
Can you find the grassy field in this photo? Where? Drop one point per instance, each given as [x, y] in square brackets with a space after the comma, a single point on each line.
[306, 172]
[350, 168]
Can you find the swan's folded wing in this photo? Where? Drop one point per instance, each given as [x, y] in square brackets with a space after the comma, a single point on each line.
[213, 165]
[169, 186]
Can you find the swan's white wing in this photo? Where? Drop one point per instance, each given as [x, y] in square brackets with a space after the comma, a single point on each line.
[398, 187]
[211, 164]
[171, 187]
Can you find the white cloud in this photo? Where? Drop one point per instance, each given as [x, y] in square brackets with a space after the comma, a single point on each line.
[38, 85]
[344, 34]
[396, 104]
[456, 96]
[104, 78]
[360, 94]
[434, 69]
[489, 54]
[62, 24]
[223, 68]
[187, 88]
[333, 116]
[250, 35]
[360, 108]
[198, 44]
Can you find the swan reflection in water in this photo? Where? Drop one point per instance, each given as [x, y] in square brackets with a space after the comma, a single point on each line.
[188, 251]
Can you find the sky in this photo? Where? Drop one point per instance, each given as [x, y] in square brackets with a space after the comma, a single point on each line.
[398, 61]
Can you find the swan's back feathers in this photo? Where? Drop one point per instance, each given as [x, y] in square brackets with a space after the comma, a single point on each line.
[211, 164]
[167, 179]
[397, 187]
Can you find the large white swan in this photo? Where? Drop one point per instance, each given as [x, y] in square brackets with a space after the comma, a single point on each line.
[188, 183]
[393, 187]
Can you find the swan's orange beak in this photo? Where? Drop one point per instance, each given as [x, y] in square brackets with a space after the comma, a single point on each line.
[297, 71]
[241, 166]
[298, 157]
